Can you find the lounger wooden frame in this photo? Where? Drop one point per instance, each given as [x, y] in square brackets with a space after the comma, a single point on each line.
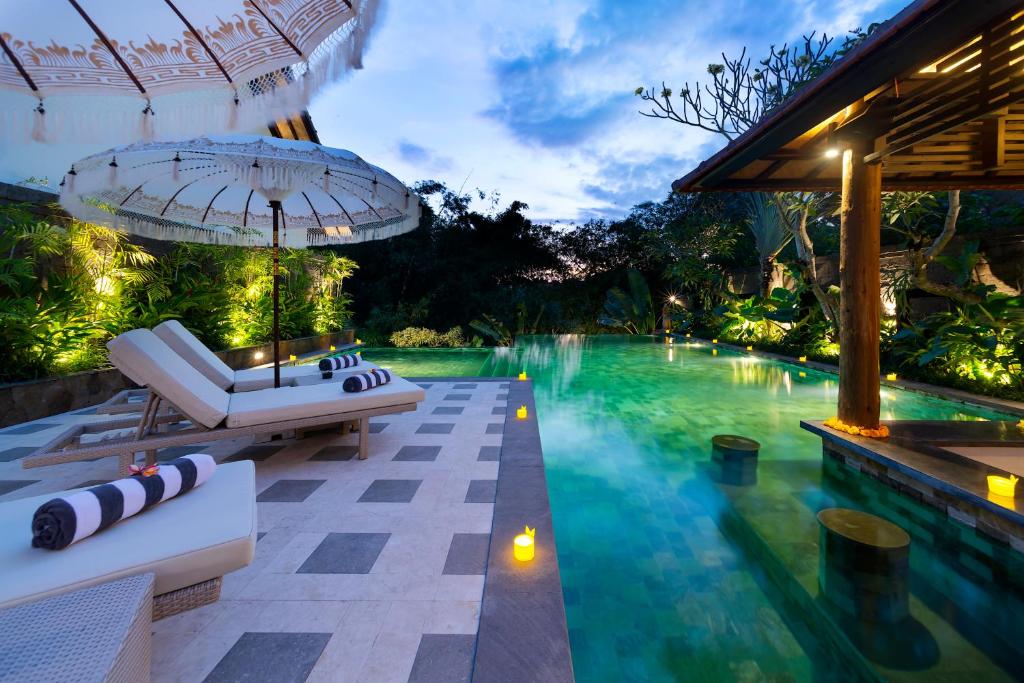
[152, 433]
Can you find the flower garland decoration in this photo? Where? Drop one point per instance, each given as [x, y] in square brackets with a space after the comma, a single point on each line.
[882, 432]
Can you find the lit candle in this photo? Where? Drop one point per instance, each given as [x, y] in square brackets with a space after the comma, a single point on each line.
[523, 545]
[522, 376]
[1002, 486]
[521, 412]
[891, 377]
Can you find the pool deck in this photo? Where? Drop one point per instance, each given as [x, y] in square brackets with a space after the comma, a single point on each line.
[943, 464]
[396, 568]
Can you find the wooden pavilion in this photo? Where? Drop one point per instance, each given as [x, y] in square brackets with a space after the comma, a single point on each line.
[932, 100]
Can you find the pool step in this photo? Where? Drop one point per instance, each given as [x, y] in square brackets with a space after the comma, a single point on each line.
[736, 528]
[954, 620]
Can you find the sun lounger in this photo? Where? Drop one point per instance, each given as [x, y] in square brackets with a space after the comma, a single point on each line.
[199, 356]
[179, 392]
[188, 543]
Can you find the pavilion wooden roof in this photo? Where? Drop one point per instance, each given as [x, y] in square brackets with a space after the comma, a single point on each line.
[938, 91]
[296, 127]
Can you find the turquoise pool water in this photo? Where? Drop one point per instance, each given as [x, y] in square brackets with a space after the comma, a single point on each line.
[434, 362]
[671, 574]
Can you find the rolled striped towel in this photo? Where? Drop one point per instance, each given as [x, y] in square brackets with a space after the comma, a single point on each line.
[345, 360]
[62, 521]
[366, 380]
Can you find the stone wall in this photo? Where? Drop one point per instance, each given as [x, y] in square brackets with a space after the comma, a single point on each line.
[25, 401]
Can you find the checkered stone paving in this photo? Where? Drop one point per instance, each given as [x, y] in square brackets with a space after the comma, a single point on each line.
[365, 570]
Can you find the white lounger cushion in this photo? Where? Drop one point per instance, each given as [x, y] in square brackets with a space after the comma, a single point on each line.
[291, 403]
[254, 379]
[195, 352]
[147, 360]
[205, 533]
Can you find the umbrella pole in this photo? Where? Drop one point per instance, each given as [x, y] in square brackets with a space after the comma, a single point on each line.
[275, 207]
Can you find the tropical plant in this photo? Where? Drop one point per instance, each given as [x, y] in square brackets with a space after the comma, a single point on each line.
[67, 288]
[332, 305]
[982, 342]
[630, 310]
[423, 337]
[760, 318]
[493, 328]
[771, 234]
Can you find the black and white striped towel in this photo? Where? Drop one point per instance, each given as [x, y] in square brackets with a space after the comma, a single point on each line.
[366, 380]
[62, 521]
[346, 360]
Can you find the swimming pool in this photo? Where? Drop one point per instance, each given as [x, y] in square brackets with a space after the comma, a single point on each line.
[670, 574]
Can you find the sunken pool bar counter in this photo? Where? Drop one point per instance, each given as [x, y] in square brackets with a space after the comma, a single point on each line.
[944, 464]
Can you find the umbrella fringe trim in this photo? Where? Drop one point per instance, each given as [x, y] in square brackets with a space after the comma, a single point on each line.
[174, 112]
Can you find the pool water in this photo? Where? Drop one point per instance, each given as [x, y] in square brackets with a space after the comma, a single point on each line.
[671, 573]
[434, 362]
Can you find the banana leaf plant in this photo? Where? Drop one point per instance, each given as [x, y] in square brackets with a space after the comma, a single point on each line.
[630, 310]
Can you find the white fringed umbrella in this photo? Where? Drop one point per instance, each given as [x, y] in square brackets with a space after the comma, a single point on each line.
[116, 72]
[241, 190]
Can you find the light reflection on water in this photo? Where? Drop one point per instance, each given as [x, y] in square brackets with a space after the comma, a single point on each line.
[657, 584]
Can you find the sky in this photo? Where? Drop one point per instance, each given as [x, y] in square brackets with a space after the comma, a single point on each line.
[535, 99]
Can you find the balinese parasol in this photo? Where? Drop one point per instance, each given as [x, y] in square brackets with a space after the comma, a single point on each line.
[241, 190]
[97, 70]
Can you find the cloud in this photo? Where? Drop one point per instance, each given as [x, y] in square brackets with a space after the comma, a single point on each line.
[423, 158]
[539, 104]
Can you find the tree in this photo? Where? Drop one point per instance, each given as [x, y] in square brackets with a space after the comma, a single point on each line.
[911, 213]
[796, 209]
[738, 95]
[741, 93]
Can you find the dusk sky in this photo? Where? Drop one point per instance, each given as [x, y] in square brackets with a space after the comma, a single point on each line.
[535, 99]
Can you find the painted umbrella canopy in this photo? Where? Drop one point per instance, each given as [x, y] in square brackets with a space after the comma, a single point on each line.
[243, 190]
[116, 72]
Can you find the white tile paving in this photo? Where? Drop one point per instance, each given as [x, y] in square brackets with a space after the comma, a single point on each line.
[378, 618]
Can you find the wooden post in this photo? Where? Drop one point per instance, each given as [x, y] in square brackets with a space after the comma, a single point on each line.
[860, 287]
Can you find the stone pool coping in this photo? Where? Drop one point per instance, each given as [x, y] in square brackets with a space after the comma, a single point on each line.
[522, 635]
[955, 488]
[958, 395]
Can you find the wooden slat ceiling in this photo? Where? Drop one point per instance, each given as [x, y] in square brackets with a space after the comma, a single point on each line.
[953, 120]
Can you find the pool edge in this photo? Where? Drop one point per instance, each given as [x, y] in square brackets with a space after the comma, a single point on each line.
[523, 633]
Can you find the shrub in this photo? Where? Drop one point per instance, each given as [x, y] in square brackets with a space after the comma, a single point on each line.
[421, 336]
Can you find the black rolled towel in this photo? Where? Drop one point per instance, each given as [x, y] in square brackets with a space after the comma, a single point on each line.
[53, 525]
[366, 380]
[345, 360]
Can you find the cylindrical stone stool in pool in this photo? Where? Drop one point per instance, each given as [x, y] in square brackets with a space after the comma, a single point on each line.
[864, 565]
[737, 457]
